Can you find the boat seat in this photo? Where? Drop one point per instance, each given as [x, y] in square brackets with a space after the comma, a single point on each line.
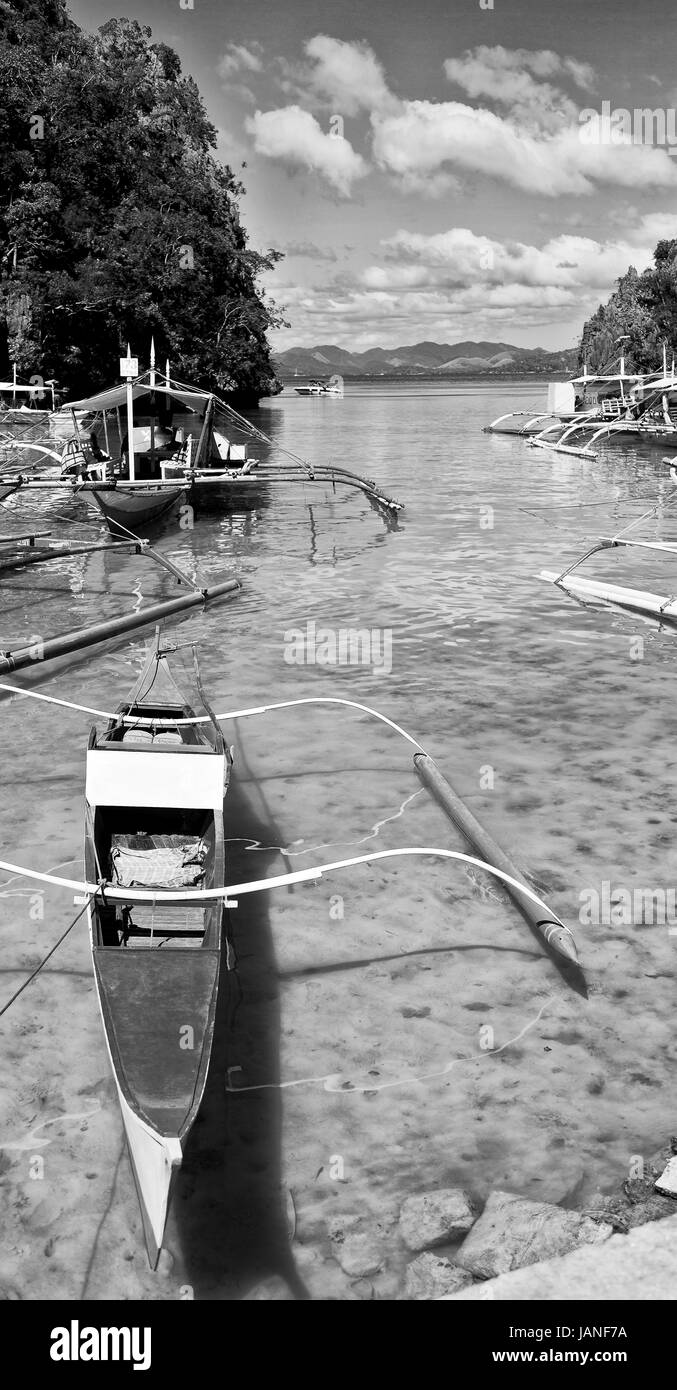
[167, 920]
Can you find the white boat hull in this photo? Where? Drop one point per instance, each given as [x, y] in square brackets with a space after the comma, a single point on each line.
[155, 1162]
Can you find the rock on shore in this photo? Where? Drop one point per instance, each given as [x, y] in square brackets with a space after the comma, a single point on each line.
[436, 1218]
[513, 1232]
[429, 1276]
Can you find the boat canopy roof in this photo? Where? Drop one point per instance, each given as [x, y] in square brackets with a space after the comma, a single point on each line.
[613, 376]
[116, 397]
[12, 386]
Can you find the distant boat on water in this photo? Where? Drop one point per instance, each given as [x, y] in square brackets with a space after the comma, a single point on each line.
[333, 387]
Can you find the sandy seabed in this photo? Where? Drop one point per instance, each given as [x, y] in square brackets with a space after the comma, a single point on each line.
[350, 1067]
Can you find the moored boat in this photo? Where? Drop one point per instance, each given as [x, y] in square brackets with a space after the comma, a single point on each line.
[175, 445]
[154, 820]
[154, 464]
[594, 406]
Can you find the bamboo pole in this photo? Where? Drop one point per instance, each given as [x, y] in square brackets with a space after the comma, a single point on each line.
[41, 651]
[30, 536]
[41, 555]
[550, 929]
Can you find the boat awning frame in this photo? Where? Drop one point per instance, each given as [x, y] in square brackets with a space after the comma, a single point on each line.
[116, 398]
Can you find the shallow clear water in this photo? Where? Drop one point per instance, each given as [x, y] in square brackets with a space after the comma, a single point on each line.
[553, 720]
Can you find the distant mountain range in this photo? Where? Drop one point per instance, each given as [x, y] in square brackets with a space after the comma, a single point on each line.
[422, 359]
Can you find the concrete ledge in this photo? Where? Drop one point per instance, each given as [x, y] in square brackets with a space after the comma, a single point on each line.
[641, 1265]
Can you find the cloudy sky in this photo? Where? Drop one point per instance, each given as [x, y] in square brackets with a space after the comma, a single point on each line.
[421, 162]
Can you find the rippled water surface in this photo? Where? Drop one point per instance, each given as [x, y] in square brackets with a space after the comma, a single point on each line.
[555, 721]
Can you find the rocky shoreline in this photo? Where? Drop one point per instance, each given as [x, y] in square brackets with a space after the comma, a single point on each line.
[457, 1242]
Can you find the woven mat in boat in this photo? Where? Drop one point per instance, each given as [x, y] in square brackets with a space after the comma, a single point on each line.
[157, 861]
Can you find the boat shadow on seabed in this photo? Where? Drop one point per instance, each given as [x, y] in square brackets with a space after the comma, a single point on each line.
[229, 1206]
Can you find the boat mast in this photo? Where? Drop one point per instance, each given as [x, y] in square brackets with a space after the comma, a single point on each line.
[623, 338]
[129, 368]
[152, 385]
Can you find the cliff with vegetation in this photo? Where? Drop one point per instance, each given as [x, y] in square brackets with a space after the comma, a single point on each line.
[116, 220]
[643, 307]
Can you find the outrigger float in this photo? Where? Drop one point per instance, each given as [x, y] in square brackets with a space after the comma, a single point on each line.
[20, 551]
[660, 608]
[156, 890]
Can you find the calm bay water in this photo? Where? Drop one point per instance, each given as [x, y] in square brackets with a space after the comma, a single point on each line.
[551, 719]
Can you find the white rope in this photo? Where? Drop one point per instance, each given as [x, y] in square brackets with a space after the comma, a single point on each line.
[140, 722]
[194, 895]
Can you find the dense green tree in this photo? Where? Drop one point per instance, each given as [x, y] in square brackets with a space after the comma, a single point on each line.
[116, 221]
[643, 308]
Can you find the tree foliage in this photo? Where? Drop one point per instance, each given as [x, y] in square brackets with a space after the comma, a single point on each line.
[116, 220]
[643, 307]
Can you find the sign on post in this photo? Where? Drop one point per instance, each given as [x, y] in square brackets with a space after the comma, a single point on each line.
[129, 367]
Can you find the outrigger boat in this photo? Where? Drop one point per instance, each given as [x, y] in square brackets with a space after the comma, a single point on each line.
[156, 895]
[154, 820]
[157, 463]
[583, 401]
[597, 406]
[649, 414]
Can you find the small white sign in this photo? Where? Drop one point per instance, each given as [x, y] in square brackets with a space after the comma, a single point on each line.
[129, 366]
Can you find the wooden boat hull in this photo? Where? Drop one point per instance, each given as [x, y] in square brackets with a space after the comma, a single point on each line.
[139, 506]
[154, 794]
[158, 1011]
[155, 1162]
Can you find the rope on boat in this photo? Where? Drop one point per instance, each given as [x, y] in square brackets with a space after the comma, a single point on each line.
[244, 423]
[196, 895]
[313, 472]
[550, 927]
[55, 947]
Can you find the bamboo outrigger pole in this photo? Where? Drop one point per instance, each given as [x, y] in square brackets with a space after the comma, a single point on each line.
[550, 929]
[40, 651]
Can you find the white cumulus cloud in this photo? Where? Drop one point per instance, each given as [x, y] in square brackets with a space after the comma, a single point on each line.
[349, 75]
[238, 59]
[424, 137]
[295, 138]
